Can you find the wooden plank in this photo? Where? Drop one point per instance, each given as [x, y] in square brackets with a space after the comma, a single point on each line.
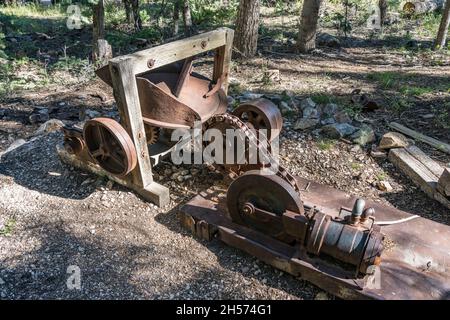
[444, 182]
[442, 146]
[127, 98]
[222, 60]
[414, 169]
[419, 173]
[175, 51]
[431, 165]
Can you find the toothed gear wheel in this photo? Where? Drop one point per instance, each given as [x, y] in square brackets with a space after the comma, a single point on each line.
[152, 134]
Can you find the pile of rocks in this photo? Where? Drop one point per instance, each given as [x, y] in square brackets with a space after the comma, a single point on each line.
[329, 120]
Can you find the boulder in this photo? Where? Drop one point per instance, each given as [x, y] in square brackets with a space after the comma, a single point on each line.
[338, 130]
[393, 140]
[363, 136]
[311, 113]
[304, 123]
[307, 103]
[342, 117]
[327, 40]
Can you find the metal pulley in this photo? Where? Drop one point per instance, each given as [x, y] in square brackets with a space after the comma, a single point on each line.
[110, 145]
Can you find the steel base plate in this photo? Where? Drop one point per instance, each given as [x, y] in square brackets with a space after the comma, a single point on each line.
[414, 265]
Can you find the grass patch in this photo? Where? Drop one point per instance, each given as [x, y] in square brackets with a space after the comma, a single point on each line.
[8, 228]
[326, 144]
[381, 176]
[355, 166]
[386, 79]
[415, 91]
[321, 98]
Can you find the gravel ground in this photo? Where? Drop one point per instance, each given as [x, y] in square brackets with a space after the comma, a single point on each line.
[125, 248]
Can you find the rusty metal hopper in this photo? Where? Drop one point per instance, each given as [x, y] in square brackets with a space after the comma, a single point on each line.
[174, 97]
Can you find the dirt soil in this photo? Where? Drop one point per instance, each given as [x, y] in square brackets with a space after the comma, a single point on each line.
[127, 248]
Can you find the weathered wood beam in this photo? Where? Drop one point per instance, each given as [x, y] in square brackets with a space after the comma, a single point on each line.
[442, 146]
[162, 55]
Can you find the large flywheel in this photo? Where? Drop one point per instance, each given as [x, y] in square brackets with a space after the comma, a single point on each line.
[110, 145]
[255, 191]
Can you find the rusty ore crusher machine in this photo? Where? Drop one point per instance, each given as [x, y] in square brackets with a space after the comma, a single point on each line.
[350, 247]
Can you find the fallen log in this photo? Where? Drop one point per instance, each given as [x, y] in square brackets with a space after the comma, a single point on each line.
[416, 7]
[442, 146]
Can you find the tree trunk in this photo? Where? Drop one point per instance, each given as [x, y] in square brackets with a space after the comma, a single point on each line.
[136, 16]
[247, 24]
[188, 28]
[132, 13]
[101, 49]
[176, 16]
[443, 27]
[128, 11]
[382, 4]
[308, 26]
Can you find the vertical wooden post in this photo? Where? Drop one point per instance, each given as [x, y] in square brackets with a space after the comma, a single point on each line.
[222, 60]
[126, 94]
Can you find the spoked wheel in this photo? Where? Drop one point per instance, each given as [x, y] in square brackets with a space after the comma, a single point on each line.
[261, 114]
[264, 192]
[110, 145]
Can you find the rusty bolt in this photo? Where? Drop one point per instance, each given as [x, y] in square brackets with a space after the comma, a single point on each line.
[151, 63]
[204, 44]
[143, 154]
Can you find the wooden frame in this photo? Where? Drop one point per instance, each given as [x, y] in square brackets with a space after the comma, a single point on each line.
[124, 70]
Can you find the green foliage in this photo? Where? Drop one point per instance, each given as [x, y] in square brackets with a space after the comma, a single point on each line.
[326, 144]
[8, 228]
[210, 12]
[386, 79]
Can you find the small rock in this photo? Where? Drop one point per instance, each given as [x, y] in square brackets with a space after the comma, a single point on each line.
[321, 296]
[308, 102]
[378, 154]
[310, 112]
[342, 117]
[109, 184]
[392, 140]
[180, 178]
[175, 175]
[338, 130]
[92, 113]
[41, 115]
[327, 121]
[285, 108]
[363, 136]
[49, 126]
[303, 124]
[184, 172]
[428, 116]
[247, 95]
[330, 109]
[384, 186]
[355, 148]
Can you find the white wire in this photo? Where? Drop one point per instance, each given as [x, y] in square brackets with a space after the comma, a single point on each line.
[386, 223]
